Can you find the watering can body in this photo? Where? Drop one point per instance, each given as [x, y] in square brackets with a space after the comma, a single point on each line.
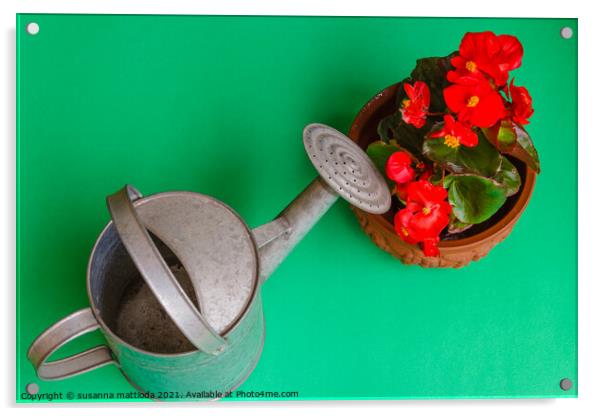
[141, 341]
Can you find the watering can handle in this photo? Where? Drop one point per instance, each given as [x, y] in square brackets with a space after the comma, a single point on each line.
[157, 274]
[68, 328]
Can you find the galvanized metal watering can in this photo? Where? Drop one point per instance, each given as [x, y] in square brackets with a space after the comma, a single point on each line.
[174, 279]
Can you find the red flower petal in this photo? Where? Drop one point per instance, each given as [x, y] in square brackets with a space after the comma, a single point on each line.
[409, 90]
[401, 225]
[489, 110]
[471, 44]
[430, 221]
[416, 118]
[478, 104]
[430, 248]
[510, 55]
[469, 139]
[457, 132]
[522, 104]
[401, 189]
[425, 216]
[422, 90]
[398, 167]
[425, 193]
[414, 108]
[455, 97]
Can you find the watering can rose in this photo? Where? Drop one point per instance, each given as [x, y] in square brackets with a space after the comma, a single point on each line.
[444, 151]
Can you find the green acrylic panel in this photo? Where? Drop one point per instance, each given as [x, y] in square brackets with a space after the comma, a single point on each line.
[216, 104]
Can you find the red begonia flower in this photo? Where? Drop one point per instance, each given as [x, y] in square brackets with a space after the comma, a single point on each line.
[399, 167]
[456, 133]
[478, 104]
[484, 52]
[522, 104]
[426, 214]
[414, 108]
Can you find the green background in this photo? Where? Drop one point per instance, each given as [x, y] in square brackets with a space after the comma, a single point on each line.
[217, 104]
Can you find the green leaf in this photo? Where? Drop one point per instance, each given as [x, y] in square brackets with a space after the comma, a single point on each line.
[483, 159]
[408, 137]
[379, 152]
[473, 198]
[384, 128]
[502, 135]
[528, 153]
[437, 176]
[508, 177]
[512, 139]
[456, 226]
[433, 71]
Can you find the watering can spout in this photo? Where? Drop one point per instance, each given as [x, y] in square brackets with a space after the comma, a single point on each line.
[277, 238]
[345, 170]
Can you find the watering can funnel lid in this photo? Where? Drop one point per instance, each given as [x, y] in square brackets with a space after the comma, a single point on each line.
[213, 244]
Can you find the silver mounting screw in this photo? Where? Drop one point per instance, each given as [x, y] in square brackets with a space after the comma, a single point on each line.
[33, 28]
[566, 32]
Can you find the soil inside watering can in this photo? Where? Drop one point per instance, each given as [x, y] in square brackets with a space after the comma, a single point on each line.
[142, 322]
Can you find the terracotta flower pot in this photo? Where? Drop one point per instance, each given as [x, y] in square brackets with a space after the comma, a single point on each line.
[465, 247]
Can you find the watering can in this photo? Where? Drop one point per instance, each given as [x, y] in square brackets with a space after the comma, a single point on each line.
[174, 279]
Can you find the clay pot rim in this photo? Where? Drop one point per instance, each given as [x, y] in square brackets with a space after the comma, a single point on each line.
[507, 220]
